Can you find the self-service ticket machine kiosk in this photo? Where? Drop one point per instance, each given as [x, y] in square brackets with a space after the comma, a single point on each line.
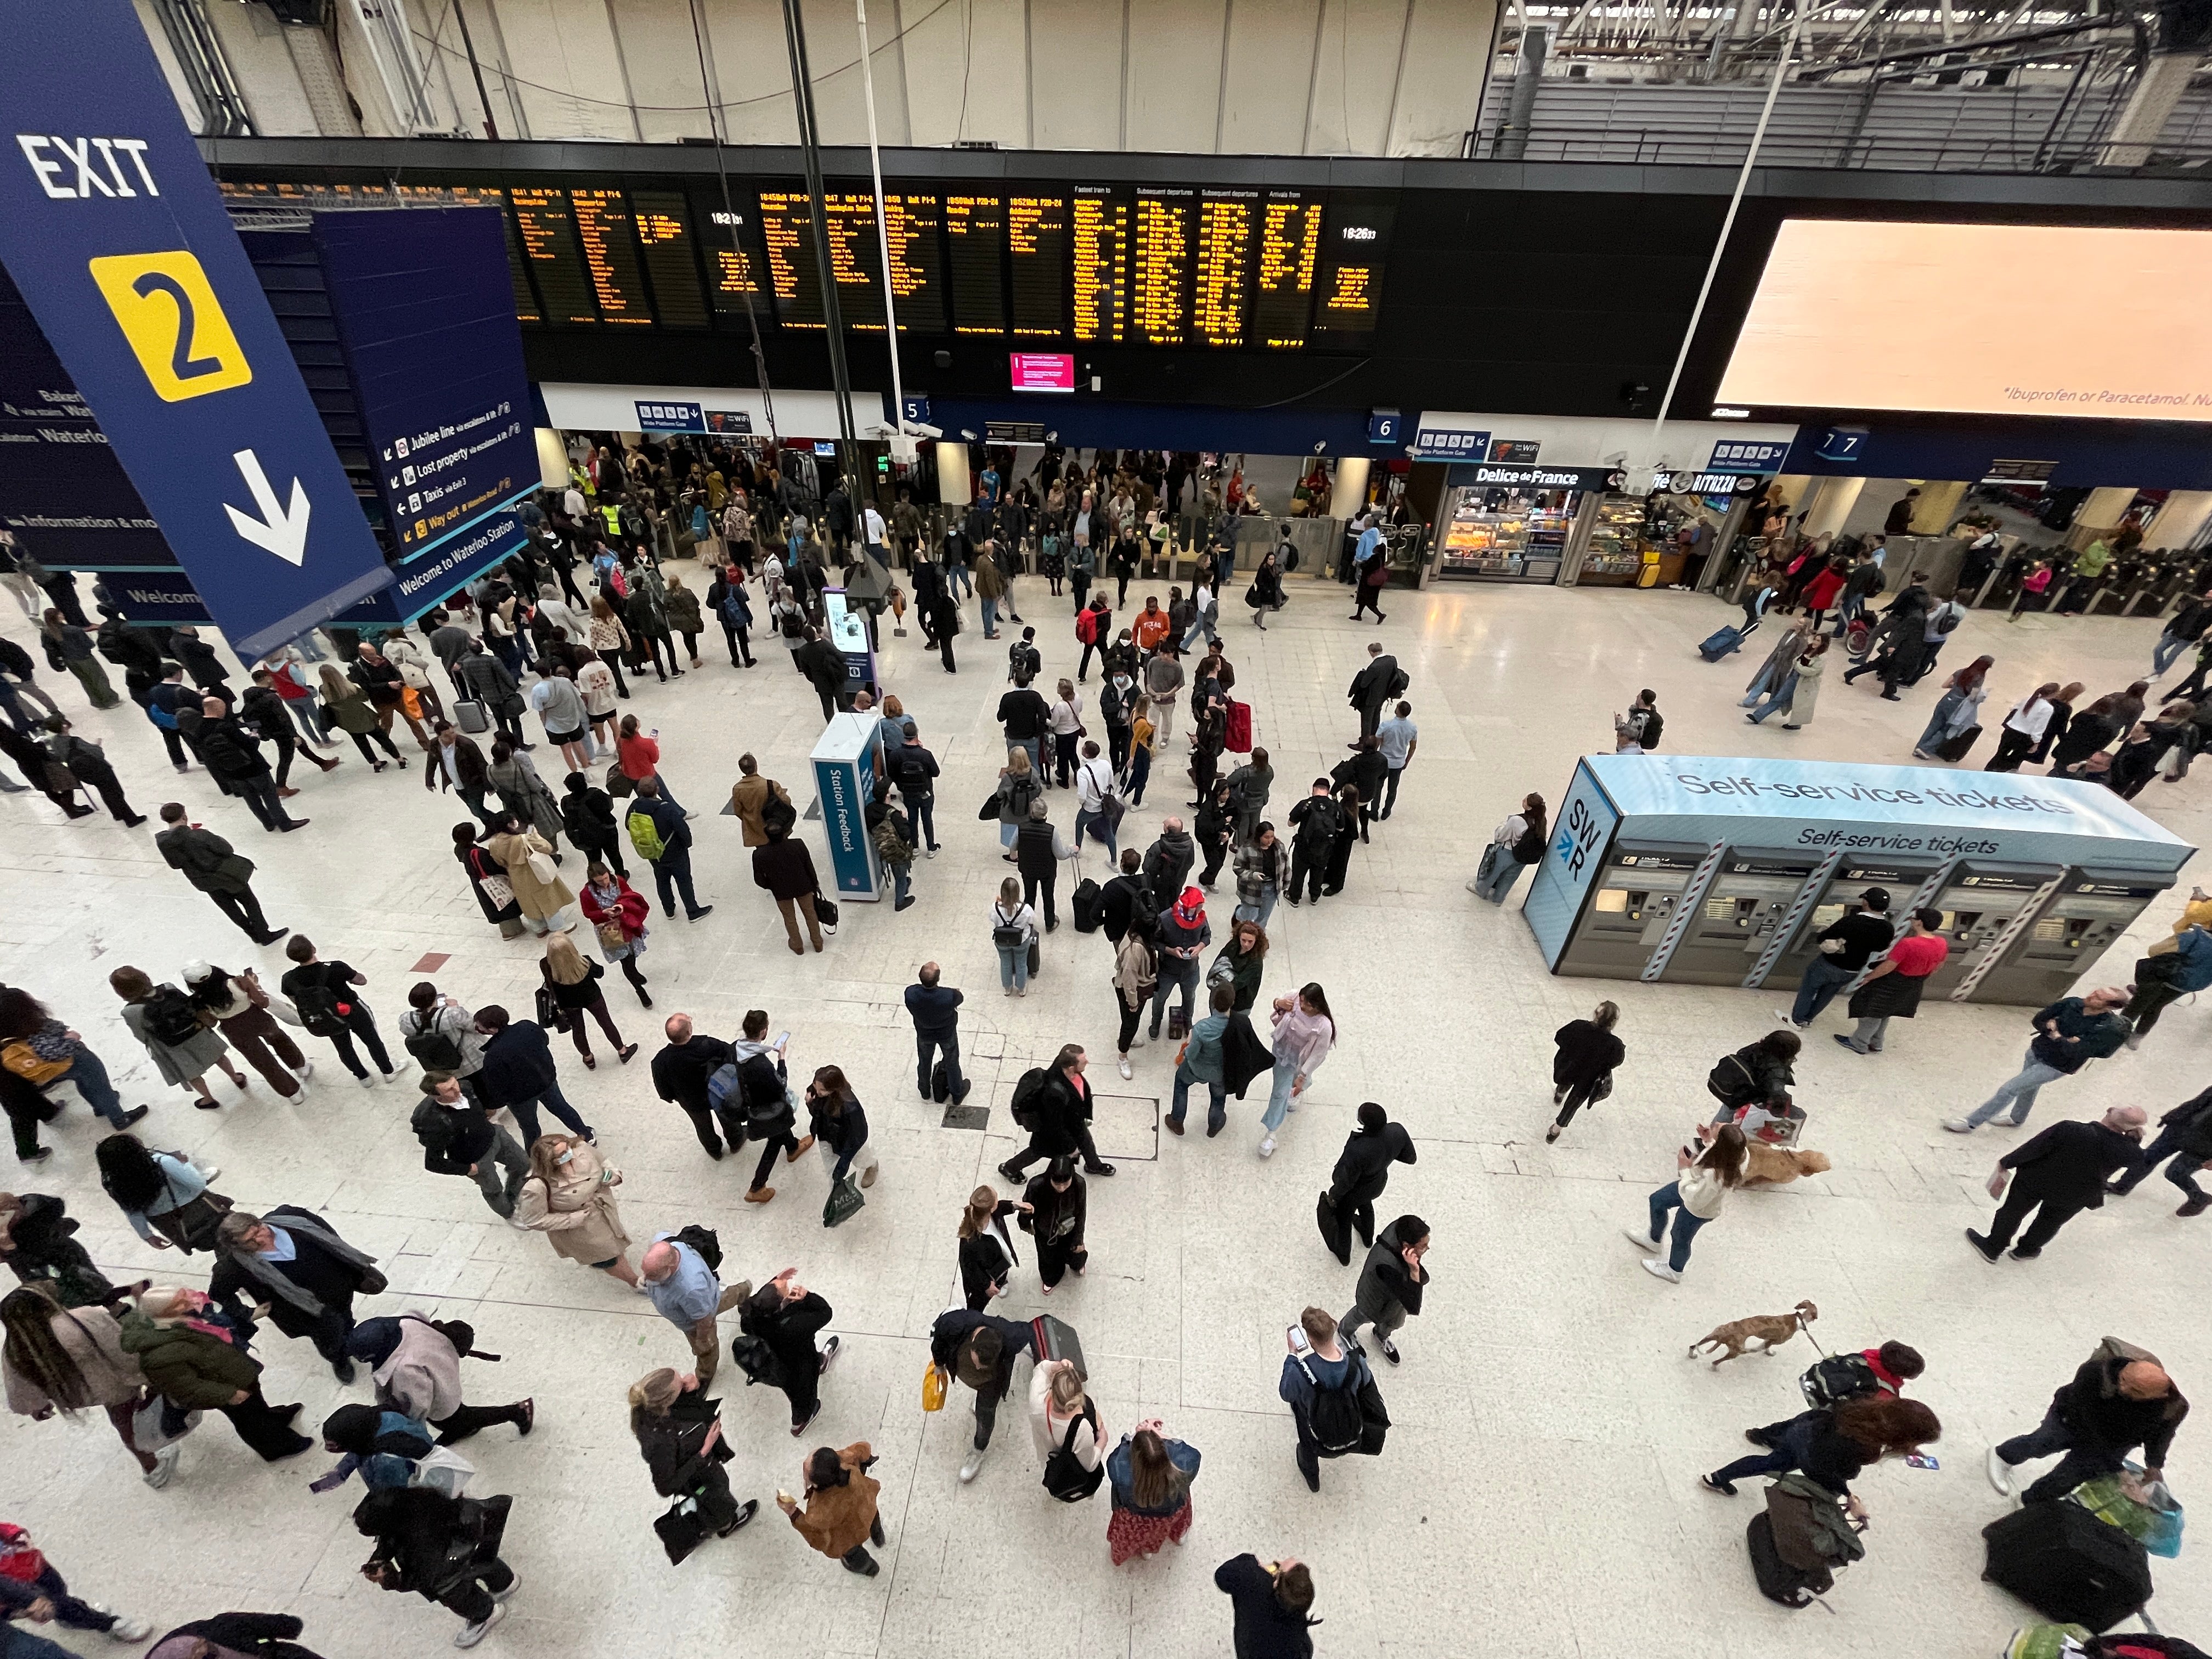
[1900, 879]
[1693, 869]
[1752, 893]
[1986, 905]
[1636, 896]
[2091, 909]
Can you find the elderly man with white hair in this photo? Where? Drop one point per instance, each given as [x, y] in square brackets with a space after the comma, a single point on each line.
[2062, 1170]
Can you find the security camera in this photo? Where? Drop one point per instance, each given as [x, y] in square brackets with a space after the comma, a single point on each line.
[966, 434]
[923, 430]
[1321, 448]
[1052, 437]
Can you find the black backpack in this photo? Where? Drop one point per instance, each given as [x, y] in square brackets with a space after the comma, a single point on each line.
[912, 777]
[1839, 1377]
[1024, 1103]
[754, 1358]
[1065, 1477]
[434, 1129]
[437, 1051]
[1335, 1419]
[170, 1020]
[319, 1006]
[705, 1242]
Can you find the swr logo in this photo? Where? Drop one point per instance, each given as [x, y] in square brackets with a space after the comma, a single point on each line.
[168, 312]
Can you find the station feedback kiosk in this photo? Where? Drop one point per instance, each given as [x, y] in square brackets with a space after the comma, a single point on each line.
[1702, 871]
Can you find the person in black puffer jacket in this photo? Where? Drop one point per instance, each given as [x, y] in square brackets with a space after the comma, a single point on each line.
[1589, 1052]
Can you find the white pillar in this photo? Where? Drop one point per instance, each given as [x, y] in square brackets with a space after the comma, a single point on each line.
[1350, 493]
[1938, 503]
[1832, 504]
[2178, 521]
[552, 459]
[2100, 511]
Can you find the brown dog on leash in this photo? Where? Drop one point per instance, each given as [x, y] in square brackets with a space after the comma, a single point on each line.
[1771, 1331]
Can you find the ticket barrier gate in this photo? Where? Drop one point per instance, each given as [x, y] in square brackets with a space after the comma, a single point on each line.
[1752, 893]
[1986, 905]
[2090, 910]
[1634, 898]
[1899, 878]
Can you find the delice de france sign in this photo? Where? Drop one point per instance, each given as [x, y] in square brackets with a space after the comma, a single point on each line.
[115, 237]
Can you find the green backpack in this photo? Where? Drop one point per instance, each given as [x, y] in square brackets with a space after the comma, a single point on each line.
[645, 836]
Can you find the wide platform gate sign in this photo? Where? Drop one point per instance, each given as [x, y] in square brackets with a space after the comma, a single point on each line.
[117, 239]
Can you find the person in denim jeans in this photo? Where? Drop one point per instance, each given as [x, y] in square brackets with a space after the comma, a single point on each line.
[24, 1020]
[1695, 1195]
[1011, 917]
[1202, 1062]
[2185, 1134]
[1263, 868]
[2070, 1034]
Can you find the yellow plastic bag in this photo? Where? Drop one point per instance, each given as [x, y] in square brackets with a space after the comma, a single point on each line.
[932, 1389]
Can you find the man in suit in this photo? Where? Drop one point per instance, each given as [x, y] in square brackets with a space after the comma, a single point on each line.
[1372, 687]
[210, 865]
[2062, 1170]
[935, 1008]
[293, 1264]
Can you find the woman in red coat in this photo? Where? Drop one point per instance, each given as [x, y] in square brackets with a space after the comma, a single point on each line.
[616, 912]
[1820, 592]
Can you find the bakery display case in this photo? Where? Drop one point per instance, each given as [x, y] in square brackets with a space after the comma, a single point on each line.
[1505, 534]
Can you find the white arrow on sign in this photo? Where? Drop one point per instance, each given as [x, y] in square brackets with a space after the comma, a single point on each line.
[282, 531]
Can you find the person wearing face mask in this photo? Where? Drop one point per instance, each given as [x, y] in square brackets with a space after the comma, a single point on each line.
[569, 1196]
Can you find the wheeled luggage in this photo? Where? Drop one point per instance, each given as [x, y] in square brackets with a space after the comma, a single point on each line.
[1952, 748]
[1793, 1587]
[2068, 1564]
[1055, 1338]
[1726, 642]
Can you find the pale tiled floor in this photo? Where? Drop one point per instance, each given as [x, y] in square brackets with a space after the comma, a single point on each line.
[1538, 1494]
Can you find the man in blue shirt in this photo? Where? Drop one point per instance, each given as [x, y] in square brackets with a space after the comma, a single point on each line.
[685, 1292]
[1399, 738]
[936, 1010]
[1202, 1062]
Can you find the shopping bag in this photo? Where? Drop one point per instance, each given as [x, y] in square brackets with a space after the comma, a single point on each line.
[843, 1203]
[2145, 1511]
[932, 1389]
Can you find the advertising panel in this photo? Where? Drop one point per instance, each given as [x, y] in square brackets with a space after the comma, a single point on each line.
[1871, 314]
[1042, 371]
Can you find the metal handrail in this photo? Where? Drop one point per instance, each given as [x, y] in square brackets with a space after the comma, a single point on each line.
[1997, 153]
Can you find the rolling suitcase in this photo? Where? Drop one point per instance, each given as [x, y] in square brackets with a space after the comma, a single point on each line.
[1724, 643]
[1055, 1338]
[1952, 748]
[1089, 905]
[472, 717]
[1238, 736]
[1793, 1587]
[2068, 1564]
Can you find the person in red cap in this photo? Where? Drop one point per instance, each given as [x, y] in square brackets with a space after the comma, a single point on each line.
[1184, 933]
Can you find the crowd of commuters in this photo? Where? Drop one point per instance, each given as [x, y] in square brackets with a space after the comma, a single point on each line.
[551, 633]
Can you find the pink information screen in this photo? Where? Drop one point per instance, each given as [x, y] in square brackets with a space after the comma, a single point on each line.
[1042, 371]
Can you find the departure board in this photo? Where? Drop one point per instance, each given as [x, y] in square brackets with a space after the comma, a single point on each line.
[735, 261]
[1160, 265]
[611, 255]
[1037, 254]
[975, 231]
[517, 268]
[1355, 247]
[556, 268]
[1098, 272]
[663, 219]
[855, 259]
[1221, 302]
[1289, 250]
[786, 226]
[917, 262]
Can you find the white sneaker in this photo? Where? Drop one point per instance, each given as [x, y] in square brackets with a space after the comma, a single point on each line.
[130, 1630]
[513, 1585]
[1659, 1269]
[369, 1082]
[1640, 1239]
[2000, 1473]
[2135, 1040]
[1267, 1147]
[472, 1634]
[1958, 1126]
[306, 1070]
[1138, 1039]
[165, 1465]
[1789, 1017]
[1473, 889]
[1126, 1071]
[210, 1172]
[971, 1464]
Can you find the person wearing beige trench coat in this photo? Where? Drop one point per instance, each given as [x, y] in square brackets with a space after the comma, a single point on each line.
[569, 1197]
[542, 901]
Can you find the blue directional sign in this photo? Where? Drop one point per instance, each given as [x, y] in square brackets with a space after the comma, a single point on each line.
[117, 241]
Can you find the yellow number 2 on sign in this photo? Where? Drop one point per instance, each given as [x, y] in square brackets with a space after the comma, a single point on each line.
[168, 312]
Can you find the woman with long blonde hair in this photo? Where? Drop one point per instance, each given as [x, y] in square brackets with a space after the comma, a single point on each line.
[569, 1197]
[573, 984]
